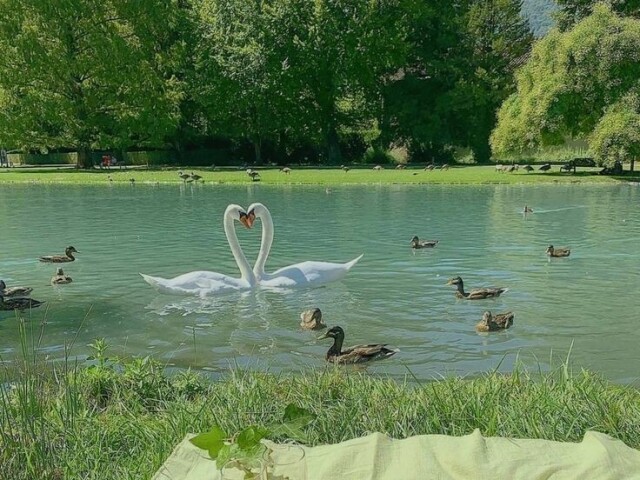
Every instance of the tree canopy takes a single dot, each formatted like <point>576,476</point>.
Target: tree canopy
<point>577,84</point>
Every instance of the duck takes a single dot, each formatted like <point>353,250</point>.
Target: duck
<point>14,291</point>
<point>67,257</point>
<point>545,167</point>
<point>312,319</point>
<point>491,323</point>
<point>356,353</point>
<point>476,293</point>
<point>527,209</point>
<point>21,303</point>
<point>528,168</point>
<point>558,252</point>
<point>417,243</point>
<point>60,278</point>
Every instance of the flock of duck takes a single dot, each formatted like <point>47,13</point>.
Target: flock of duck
<point>19,297</point>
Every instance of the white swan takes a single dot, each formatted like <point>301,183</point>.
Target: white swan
<point>300,274</point>
<point>206,283</point>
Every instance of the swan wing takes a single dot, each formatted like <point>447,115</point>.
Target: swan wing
<point>196,283</point>
<point>307,273</point>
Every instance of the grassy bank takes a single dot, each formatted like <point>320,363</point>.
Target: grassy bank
<point>459,175</point>
<point>120,420</point>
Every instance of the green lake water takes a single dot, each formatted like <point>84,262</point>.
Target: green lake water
<point>394,295</point>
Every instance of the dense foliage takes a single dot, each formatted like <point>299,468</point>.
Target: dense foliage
<point>582,83</point>
<point>287,78</point>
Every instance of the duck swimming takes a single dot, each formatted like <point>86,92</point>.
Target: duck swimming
<point>476,293</point>
<point>14,291</point>
<point>558,252</point>
<point>60,278</point>
<point>67,257</point>
<point>417,243</point>
<point>312,319</point>
<point>356,353</point>
<point>21,303</point>
<point>490,323</point>
<point>527,209</point>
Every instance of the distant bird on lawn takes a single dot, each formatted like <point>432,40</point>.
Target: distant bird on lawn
<point>345,168</point>
<point>377,168</point>
<point>431,166</point>
<point>60,278</point>
<point>286,170</point>
<point>255,176</point>
<point>401,166</point>
<point>356,353</point>
<point>195,177</point>
<point>528,168</point>
<point>545,167</point>
<point>184,176</point>
<point>491,323</point>
<point>558,252</point>
<point>476,293</point>
<point>67,257</point>
<point>14,291</point>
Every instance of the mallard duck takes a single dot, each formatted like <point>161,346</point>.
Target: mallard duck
<point>417,243</point>
<point>60,278</point>
<point>490,323</point>
<point>14,291</point>
<point>476,293</point>
<point>312,319</point>
<point>67,257</point>
<point>558,252</point>
<point>356,353</point>
<point>21,303</point>
<point>527,209</point>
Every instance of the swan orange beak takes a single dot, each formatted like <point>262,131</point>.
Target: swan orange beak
<point>251,218</point>
<point>244,220</point>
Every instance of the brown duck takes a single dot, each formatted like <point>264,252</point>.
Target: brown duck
<point>312,319</point>
<point>14,291</point>
<point>417,243</point>
<point>60,278</point>
<point>356,353</point>
<point>21,303</point>
<point>476,293</point>
<point>490,323</point>
<point>558,252</point>
<point>67,257</point>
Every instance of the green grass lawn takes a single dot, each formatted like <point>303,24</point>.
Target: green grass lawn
<point>458,175</point>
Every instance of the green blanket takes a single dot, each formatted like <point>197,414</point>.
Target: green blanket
<point>423,457</point>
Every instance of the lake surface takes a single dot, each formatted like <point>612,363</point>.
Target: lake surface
<point>394,295</point>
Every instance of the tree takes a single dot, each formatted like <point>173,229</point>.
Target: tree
<point>572,11</point>
<point>616,137</point>
<point>76,74</point>
<point>571,79</point>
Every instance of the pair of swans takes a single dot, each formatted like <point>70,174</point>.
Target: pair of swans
<point>208,283</point>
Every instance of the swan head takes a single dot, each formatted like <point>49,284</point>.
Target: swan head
<point>256,210</point>
<point>238,213</point>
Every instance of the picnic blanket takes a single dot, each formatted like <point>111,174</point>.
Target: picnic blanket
<point>378,457</point>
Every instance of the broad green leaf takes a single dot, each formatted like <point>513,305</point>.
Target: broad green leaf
<point>212,441</point>
<point>294,413</point>
<point>251,436</point>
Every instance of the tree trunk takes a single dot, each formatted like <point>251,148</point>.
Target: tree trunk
<point>257,147</point>
<point>482,151</point>
<point>334,157</point>
<point>633,160</point>
<point>84,158</point>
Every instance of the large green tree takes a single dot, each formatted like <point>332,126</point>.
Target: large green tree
<point>573,84</point>
<point>83,74</point>
<point>572,11</point>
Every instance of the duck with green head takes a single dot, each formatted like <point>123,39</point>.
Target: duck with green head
<point>417,243</point>
<point>356,353</point>
<point>476,293</point>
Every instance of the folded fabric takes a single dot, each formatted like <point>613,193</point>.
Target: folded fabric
<point>425,457</point>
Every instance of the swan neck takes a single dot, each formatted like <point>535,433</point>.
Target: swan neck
<point>238,254</point>
<point>266,242</point>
